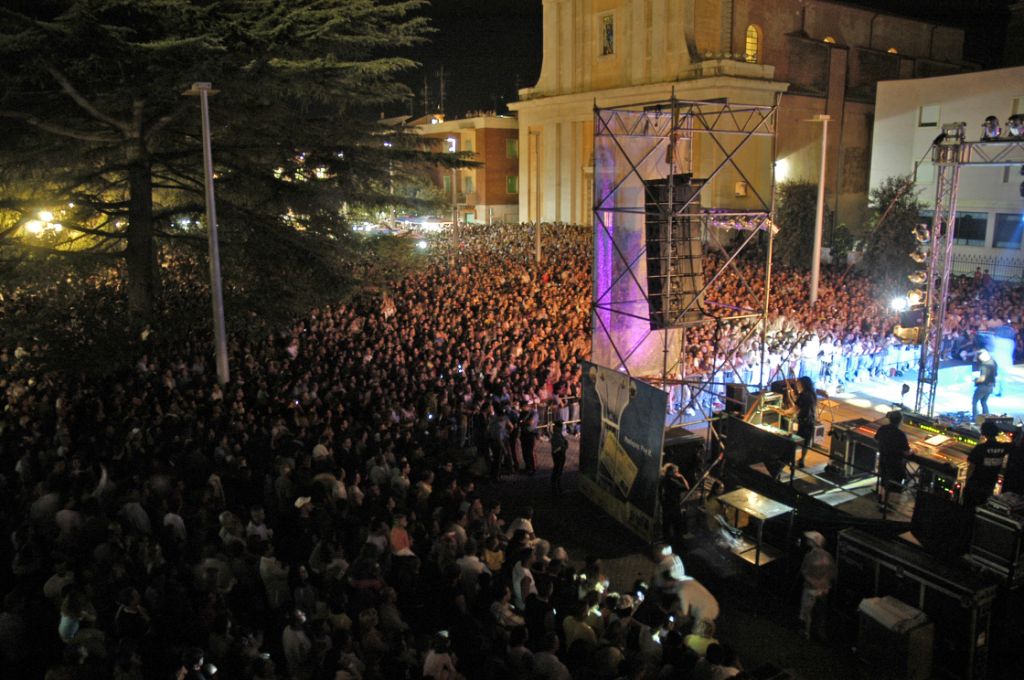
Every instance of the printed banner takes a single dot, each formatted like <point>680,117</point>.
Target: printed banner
<point>621,439</point>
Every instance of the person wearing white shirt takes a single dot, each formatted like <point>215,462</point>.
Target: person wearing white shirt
<point>523,583</point>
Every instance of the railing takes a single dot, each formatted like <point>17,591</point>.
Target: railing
<point>999,268</point>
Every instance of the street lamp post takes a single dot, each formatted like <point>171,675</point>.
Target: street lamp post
<point>203,90</point>
<point>819,216</point>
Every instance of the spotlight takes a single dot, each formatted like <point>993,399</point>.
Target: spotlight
<point>918,277</point>
<point>919,257</point>
<point>1015,126</point>
<point>922,233</point>
<point>422,245</point>
<point>899,304</point>
<point>990,129</point>
<point>952,133</point>
<point>916,297</point>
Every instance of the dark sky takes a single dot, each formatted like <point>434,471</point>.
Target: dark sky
<point>488,48</point>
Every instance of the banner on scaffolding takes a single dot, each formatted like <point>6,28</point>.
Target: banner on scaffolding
<point>621,439</point>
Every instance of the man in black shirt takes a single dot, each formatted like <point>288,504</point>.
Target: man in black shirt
<point>893,448</point>
<point>985,372</point>
<point>806,414</point>
<point>985,461</point>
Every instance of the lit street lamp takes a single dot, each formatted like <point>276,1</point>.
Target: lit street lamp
<point>203,90</point>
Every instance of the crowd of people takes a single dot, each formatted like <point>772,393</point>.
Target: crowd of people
<point>324,514</point>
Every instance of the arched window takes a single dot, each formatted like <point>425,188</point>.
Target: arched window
<point>830,40</point>
<point>752,49</point>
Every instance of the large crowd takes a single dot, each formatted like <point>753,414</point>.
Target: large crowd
<point>317,518</point>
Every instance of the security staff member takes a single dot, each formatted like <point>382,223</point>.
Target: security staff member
<point>984,463</point>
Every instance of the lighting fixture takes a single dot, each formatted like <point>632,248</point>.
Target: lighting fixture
<point>990,130</point>
<point>919,256</point>
<point>918,277</point>
<point>916,297</point>
<point>1015,126</point>
<point>899,304</point>
<point>922,233</point>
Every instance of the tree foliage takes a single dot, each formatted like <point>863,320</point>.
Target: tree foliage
<point>795,206</point>
<point>895,213</point>
<point>100,135</point>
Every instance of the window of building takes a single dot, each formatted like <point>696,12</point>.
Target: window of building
<point>970,228</point>
<point>512,148</point>
<point>928,115</point>
<point>830,40</point>
<point>893,50</point>
<point>446,181</point>
<point>512,184</point>
<point>607,35</point>
<point>468,144</point>
<point>452,144</point>
<point>469,217</point>
<point>469,184</point>
<point>1009,231</point>
<point>752,49</point>
<point>1018,106</point>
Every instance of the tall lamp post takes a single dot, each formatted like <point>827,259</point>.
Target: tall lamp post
<point>819,216</point>
<point>203,91</point>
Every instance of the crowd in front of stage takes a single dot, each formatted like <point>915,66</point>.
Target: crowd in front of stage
<point>314,519</point>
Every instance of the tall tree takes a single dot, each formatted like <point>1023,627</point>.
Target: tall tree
<point>99,134</point>
<point>895,213</point>
<point>795,207</point>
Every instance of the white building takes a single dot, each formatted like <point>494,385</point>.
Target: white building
<point>990,207</point>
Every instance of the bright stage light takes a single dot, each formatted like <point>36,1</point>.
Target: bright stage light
<point>899,304</point>
<point>422,245</point>
<point>916,297</point>
<point>34,227</point>
<point>46,216</point>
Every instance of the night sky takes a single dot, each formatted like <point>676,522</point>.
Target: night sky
<point>488,48</point>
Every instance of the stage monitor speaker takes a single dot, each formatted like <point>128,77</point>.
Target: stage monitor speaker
<point>685,449</point>
<point>675,264</point>
<point>737,398</point>
<point>941,526</point>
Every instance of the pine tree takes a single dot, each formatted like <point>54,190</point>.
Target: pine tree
<point>895,213</point>
<point>98,132</point>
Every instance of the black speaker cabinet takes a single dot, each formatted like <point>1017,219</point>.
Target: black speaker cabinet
<point>996,544</point>
<point>957,601</point>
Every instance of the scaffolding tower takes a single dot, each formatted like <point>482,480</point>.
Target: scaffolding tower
<point>683,192</point>
<point>950,153</point>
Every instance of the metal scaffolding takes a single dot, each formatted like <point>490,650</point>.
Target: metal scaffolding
<point>645,170</point>
<point>949,154</point>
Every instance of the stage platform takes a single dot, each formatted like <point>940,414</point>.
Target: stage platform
<point>952,397</point>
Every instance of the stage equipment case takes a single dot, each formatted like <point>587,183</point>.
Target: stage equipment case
<point>895,639</point>
<point>958,602</point>
<point>996,543</point>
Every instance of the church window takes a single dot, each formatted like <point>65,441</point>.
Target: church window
<point>752,50</point>
<point>607,35</point>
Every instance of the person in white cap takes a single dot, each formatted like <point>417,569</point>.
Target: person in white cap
<point>985,372</point>
<point>818,570</point>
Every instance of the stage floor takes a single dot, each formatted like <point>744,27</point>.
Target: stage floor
<point>952,398</point>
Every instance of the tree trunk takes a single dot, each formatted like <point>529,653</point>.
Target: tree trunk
<point>140,253</point>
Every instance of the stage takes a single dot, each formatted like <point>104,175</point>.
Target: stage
<point>952,397</point>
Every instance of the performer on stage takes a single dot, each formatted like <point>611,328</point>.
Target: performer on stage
<point>984,463</point>
<point>893,448</point>
<point>985,372</point>
<point>806,414</point>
